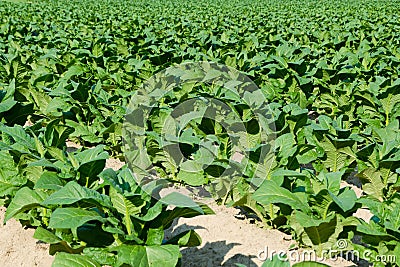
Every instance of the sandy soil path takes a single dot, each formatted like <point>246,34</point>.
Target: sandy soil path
<point>226,240</point>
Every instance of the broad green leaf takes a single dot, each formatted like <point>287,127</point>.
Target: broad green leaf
<point>46,236</point>
<point>91,162</point>
<point>94,235</point>
<point>152,213</point>
<point>188,238</point>
<point>63,246</point>
<point>345,200</point>
<point>147,256</point>
<point>56,107</point>
<point>7,100</point>
<point>191,178</point>
<point>90,155</point>
<point>318,233</point>
<point>22,140</point>
<point>127,206</point>
<point>73,71</point>
<point>321,203</point>
<point>56,134</point>
<point>101,255</point>
<point>372,228</point>
<point>63,259</point>
<point>87,133</point>
<point>7,189</point>
<point>269,192</point>
<point>331,180</point>
<point>24,199</point>
<point>181,201</point>
<point>49,180</point>
<point>276,261</point>
<point>110,178</point>
<point>392,218</point>
<point>40,99</point>
<point>73,192</point>
<point>169,216</point>
<point>372,182</point>
<point>388,104</point>
<point>10,178</point>
<point>71,218</point>
<point>155,235</point>
<point>7,104</point>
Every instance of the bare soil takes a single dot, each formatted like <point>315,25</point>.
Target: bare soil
<point>226,240</point>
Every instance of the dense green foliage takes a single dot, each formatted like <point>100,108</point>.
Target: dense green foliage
<point>329,71</point>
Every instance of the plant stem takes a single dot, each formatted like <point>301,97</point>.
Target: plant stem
<point>271,211</point>
<point>387,119</point>
<point>128,225</point>
<point>226,198</point>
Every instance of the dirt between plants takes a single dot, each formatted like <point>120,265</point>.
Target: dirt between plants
<point>19,248</point>
<point>226,240</point>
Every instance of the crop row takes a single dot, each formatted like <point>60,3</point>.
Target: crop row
<point>328,74</point>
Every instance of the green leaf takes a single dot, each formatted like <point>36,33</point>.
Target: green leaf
<point>74,70</point>
<point>49,180</point>
<point>331,180</point>
<point>7,189</point>
<point>56,134</point>
<point>180,200</point>
<point>94,235</point>
<point>321,202</point>
<point>187,238</point>
<point>7,102</point>
<point>345,200</point>
<point>85,132</point>
<point>10,178</point>
<point>392,218</point>
<point>63,246</point>
<point>73,192</point>
<point>40,99</point>
<point>317,233</point>
<point>269,192</point>
<point>110,178</point>
<point>63,259</point>
<point>372,182</point>
<point>57,154</point>
<point>56,107</point>
<point>18,114</point>
<point>24,199</point>
<point>152,213</point>
<point>101,255</point>
<point>93,154</point>
<point>22,140</point>
<point>46,236</point>
<point>147,256</point>
<point>155,236</point>
<point>276,261</point>
<point>92,161</point>
<point>372,228</point>
<point>191,178</point>
<point>71,218</point>
<point>127,206</point>
<point>388,105</point>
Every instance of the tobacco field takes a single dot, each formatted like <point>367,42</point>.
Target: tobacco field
<point>327,72</point>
